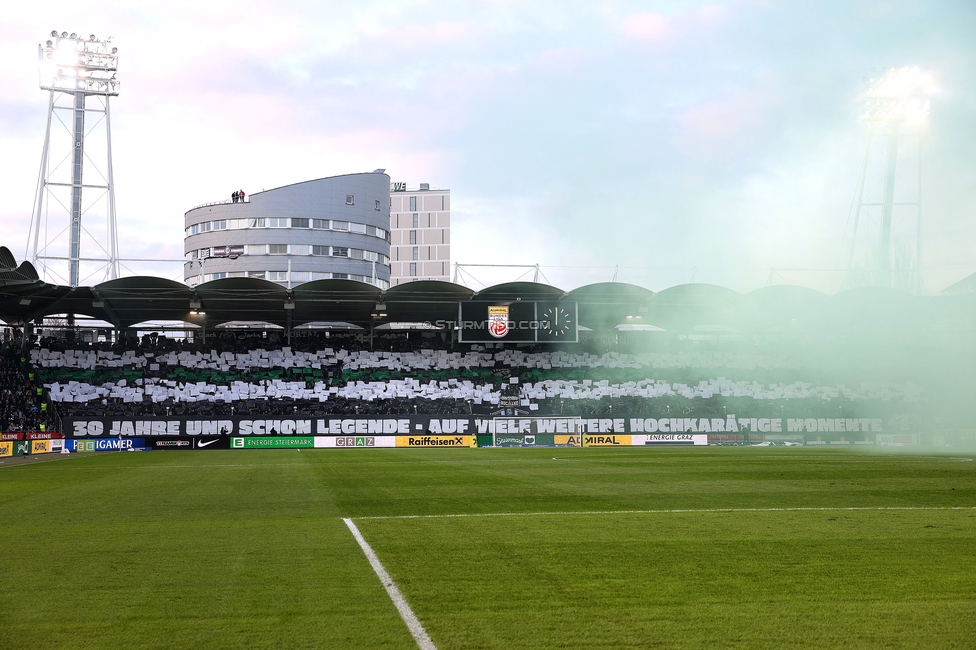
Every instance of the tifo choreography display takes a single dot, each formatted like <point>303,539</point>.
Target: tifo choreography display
<point>521,364</point>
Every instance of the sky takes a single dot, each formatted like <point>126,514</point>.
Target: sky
<point>656,142</point>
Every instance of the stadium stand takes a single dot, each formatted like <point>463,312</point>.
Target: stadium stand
<point>163,377</point>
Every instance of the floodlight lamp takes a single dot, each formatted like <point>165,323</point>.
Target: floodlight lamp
<point>54,33</point>
<point>64,34</point>
<point>91,37</point>
<point>74,35</point>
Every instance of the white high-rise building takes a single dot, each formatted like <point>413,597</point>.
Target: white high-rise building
<point>420,234</point>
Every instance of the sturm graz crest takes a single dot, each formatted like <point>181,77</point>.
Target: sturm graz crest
<point>498,321</point>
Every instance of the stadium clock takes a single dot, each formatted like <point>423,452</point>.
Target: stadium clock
<point>561,323</point>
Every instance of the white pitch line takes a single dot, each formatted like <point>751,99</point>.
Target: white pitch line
<point>664,512</point>
<point>413,623</point>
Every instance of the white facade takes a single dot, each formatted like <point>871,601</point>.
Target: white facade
<point>329,228</point>
<point>420,234</point>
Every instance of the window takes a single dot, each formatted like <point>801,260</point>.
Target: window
<point>318,275</point>
<point>300,249</point>
<point>256,223</point>
<point>203,253</point>
<point>235,274</point>
<point>350,199</point>
<point>371,256</point>
<point>320,250</point>
<point>416,221</point>
<point>257,249</point>
<point>320,224</point>
<point>340,225</point>
<point>416,253</point>
<point>256,274</point>
<point>413,237</point>
<point>192,255</point>
<point>278,249</point>
<point>299,276</point>
<point>356,253</point>
<point>220,225</point>
<point>299,223</point>
<point>413,203</point>
<point>278,222</point>
<point>340,276</point>
<point>357,227</point>
<point>278,276</point>
<point>377,206</point>
<point>340,251</point>
<point>236,224</point>
<point>217,276</point>
<point>205,226</point>
<point>413,266</point>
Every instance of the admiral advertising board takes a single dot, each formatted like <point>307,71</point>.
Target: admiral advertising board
<point>516,321</point>
<point>6,448</point>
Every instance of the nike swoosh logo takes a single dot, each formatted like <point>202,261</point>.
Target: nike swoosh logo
<point>204,444</point>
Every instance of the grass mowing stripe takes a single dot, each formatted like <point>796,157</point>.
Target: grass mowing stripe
<point>662,512</point>
<point>413,623</point>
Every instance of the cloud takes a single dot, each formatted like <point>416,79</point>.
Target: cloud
<point>646,26</point>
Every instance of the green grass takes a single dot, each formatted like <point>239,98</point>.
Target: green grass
<point>248,549</point>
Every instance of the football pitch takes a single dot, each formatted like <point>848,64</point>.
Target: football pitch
<point>490,548</point>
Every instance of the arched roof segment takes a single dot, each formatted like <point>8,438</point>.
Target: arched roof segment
<point>685,306</point>
<point>7,260</point>
<point>231,299</point>
<point>604,305</point>
<point>346,301</point>
<point>424,301</point>
<point>136,299</point>
<point>780,307</point>
<point>520,291</point>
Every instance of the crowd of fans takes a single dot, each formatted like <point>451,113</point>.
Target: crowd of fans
<point>249,373</point>
<point>23,407</point>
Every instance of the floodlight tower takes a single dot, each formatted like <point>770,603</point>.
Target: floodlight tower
<point>894,105</point>
<point>72,69</point>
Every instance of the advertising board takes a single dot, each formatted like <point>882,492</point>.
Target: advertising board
<point>436,441</point>
<point>6,448</point>
<point>898,440</point>
<point>275,442</point>
<point>106,444</point>
<point>40,446</point>
<point>534,440</point>
<point>606,441</point>
<point>649,439</point>
<point>345,442</point>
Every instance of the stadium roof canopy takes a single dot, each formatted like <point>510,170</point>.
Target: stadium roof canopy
<point>602,306</point>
